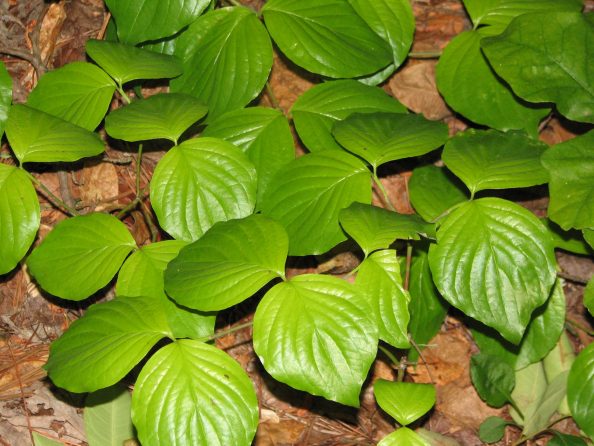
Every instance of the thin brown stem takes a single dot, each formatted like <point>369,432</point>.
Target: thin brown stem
<point>572,278</point>
<point>425,54</point>
<point>226,332</point>
<point>57,202</point>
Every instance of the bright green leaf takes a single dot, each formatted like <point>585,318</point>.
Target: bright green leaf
<point>589,297</point>
<point>378,77</point>
<point>403,437</point>
<point>494,261</point>
<point>560,439</point>
<point>35,136</point>
<point>493,380</point>
<point>81,255</point>
<point>531,384</point>
<point>5,96</point>
<point>558,48</point>
<point>107,417</point>
<point>589,236</point>
<point>164,116</point>
<point>537,418</point>
<point>316,111</point>
<point>40,440</point>
<point>492,429</point>
<point>379,278</point>
<point>100,348</point>
<point>580,388</point>
<point>227,56</point>
<point>315,334</point>
<point>190,393</point>
<point>231,261</point>
<point>306,197</point>
<point>126,63</point>
<point>570,241</point>
<point>405,402</point>
<point>79,93</point>
<point>382,137</point>
<point>199,183</point>
<point>19,216</point>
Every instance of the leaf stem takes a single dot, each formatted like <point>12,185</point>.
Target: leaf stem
<point>572,278</point>
<point>122,93</point>
<point>272,97</point>
<point>226,332</point>
<point>138,169</point>
<point>57,202</point>
<point>425,54</point>
<point>382,189</point>
<point>513,404</point>
<point>409,250</point>
<point>389,355</point>
<point>579,326</point>
<point>447,212</point>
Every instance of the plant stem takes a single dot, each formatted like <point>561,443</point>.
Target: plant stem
<point>382,190</point>
<point>123,94</point>
<point>272,97</point>
<point>57,202</point>
<point>579,326</point>
<point>513,404</point>
<point>572,278</point>
<point>138,169</point>
<point>390,355</point>
<point>224,333</point>
<point>425,54</point>
<point>409,249</point>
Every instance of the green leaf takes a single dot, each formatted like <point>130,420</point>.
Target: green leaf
<point>378,77</point>
<point>559,49</point>
<point>315,334</point>
<point>40,440</point>
<point>35,136</point>
<point>475,264</point>
<point>375,228</point>
<point>560,439</point>
<point>79,93</point>
<point>100,348</point>
<point>492,429</point>
<point>382,137</point>
<point>193,393</point>
<point>405,402</point>
<point>589,236</point>
<point>81,255</point>
<point>199,183</point>
<point>436,439</point>
<point>491,343</point>
<point>162,116</point>
<point>307,194</point>
<point>125,63</point>
<point>403,437</point>
<point>571,166</point>
<point>580,388</point>
<point>326,37</point>
<point>433,190</point>
<point>231,261</point>
<point>19,216</point>
<point>570,241</point>
<point>5,96</point>
<point>142,20</point>
<point>392,20</point>
<point>589,296</point>
<point>537,418</point>
<point>142,275</point>
<point>107,417</point>
<point>493,380</point>
<point>531,384</point>
<point>463,78</point>
<point>495,160</point>
<point>316,110</point>
<point>379,278</point>
<point>227,56</point>
<point>263,134</point>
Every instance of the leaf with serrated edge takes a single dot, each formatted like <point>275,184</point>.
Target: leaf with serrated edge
<point>107,416</point>
<point>306,197</point>
<point>382,137</point>
<point>403,437</point>
<point>580,388</point>
<point>494,261</point>
<point>405,402</point>
<point>81,255</point>
<point>213,403</point>
<point>5,96</point>
<point>315,334</point>
<point>19,216</point>
<point>36,136</point>
<point>199,183</point>
<point>227,57</point>
<point>163,115</point>
<point>316,110</point>
<point>79,93</point>
<point>493,379</point>
<point>125,63</point>
<point>559,48</point>
<point>100,348</point>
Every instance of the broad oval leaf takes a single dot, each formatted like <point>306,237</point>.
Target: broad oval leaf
<point>376,228</point>
<point>469,86</point>
<point>405,402</point>
<point>81,255</point>
<point>193,393</point>
<point>36,136</point>
<point>382,137</point>
<point>199,183</point>
<point>326,37</point>
<point>107,417</point>
<point>227,56</point>
<point>232,261</point>
<point>379,278</point>
<point>100,348</point>
<point>492,429</point>
<point>315,334</point>
<point>403,437</point>
<point>162,116</point>
<point>141,20</point>
<point>493,379</point>
<point>571,187</point>
<point>263,134</point>
<point>495,160</point>
<point>559,49</point>
<point>125,63</point>
<point>317,110</point>
<point>306,197</point>
<point>142,274</point>
<point>79,93</point>
<point>5,96</point>
<point>580,388</point>
<point>495,261</point>
<point>19,216</point>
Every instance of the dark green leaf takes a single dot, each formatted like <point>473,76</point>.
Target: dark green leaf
<point>405,402</point>
<point>560,439</point>
<point>580,388</point>
<point>493,380</point>
<point>403,437</point>
<point>5,96</point>
<point>81,255</point>
<point>316,110</point>
<point>492,429</point>
<point>589,297</point>
<point>570,241</point>
<point>491,343</point>
<point>107,417</point>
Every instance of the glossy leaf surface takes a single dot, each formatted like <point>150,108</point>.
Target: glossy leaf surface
<point>571,241</point>
<point>405,402</point>
<point>580,388</point>
<point>5,96</point>
<point>107,416</point>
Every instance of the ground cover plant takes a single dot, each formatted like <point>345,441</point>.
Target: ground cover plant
<point>234,205</point>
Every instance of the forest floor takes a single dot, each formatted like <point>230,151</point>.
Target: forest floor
<point>35,34</point>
